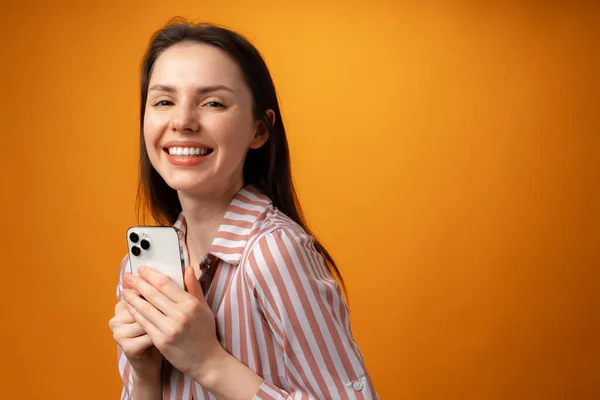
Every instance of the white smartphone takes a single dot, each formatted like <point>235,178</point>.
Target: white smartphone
<point>156,247</point>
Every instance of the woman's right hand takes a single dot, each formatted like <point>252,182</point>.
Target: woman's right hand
<point>144,358</point>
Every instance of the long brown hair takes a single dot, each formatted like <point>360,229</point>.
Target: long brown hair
<point>267,168</point>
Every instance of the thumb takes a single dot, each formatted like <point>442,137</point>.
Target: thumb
<point>192,285</point>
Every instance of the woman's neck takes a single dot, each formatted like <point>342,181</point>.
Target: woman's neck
<point>203,217</point>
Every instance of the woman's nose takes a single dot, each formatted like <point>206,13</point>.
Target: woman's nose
<point>185,119</point>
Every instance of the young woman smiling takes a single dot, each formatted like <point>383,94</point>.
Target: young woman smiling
<point>262,316</point>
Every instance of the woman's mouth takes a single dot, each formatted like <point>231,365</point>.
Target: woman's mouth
<point>188,151</point>
<point>187,156</point>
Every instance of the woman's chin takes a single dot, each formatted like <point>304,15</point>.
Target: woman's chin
<point>186,185</point>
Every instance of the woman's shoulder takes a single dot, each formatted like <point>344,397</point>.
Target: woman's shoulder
<point>275,224</point>
<point>279,236</point>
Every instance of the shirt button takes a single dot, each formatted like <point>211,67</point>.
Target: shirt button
<point>357,385</point>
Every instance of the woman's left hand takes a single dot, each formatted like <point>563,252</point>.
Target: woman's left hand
<point>180,324</point>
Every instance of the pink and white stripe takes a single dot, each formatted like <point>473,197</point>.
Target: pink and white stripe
<point>278,310</point>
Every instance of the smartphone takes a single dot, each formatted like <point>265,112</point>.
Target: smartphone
<point>156,247</point>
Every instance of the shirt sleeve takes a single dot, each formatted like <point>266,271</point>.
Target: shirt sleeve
<point>124,366</point>
<point>308,318</point>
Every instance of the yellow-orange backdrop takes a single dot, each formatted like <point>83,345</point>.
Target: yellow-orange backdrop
<point>448,156</point>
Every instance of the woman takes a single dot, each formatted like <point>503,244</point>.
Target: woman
<point>262,316</point>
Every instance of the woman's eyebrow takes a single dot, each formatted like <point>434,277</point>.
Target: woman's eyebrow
<point>203,90</point>
<point>162,88</point>
<point>213,88</point>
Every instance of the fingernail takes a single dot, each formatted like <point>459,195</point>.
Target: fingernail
<point>141,269</point>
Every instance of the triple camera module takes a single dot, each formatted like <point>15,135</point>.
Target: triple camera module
<point>144,244</point>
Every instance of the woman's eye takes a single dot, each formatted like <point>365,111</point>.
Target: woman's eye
<point>214,104</point>
<point>163,103</point>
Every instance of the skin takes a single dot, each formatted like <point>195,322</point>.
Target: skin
<point>196,93</point>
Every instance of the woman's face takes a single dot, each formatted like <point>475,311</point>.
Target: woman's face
<point>198,123</point>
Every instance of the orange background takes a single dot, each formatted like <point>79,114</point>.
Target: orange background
<point>447,155</point>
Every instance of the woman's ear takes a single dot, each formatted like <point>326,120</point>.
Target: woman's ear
<point>261,135</point>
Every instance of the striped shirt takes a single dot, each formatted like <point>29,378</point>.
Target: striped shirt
<point>277,307</point>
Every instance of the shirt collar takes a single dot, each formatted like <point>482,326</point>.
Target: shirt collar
<point>236,226</point>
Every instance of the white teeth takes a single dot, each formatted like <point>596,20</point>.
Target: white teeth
<point>187,151</point>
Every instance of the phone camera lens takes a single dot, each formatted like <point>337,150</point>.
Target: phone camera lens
<point>134,237</point>
<point>145,244</point>
<point>136,251</point>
